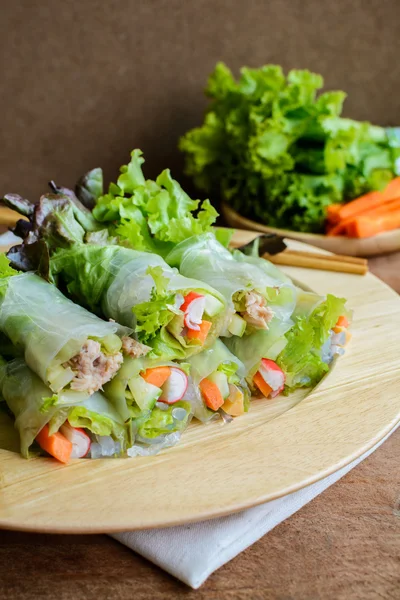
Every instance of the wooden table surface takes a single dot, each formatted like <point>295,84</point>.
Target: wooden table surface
<point>344,545</point>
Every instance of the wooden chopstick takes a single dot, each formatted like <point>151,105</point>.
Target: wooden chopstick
<point>341,257</point>
<point>324,262</point>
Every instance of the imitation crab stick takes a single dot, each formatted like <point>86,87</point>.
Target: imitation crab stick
<point>79,439</point>
<point>211,394</point>
<point>193,307</point>
<point>56,444</point>
<point>270,379</point>
<point>202,333</point>
<point>157,375</point>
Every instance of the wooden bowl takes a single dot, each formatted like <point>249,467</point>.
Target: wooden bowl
<point>383,243</point>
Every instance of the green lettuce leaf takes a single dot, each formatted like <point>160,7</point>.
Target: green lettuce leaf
<point>5,269</point>
<point>151,215</point>
<point>90,187</point>
<point>162,422</point>
<point>97,423</point>
<point>300,359</point>
<point>155,314</point>
<point>230,369</point>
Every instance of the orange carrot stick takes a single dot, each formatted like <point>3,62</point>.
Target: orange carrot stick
<point>202,333</point>
<point>332,212</point>
<point>156,376</point>
<point>346,225</point>
<point>211,394</point>
<point>370,200</point>
<point>365,226</point>
<point>264,388</point>
<point>56,444</point>
<point>342,322</point>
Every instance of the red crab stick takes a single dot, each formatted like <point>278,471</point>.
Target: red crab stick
<point>270,379</point>
<point>193,307</point>
<point>174,387</point>
<point>79,439</point>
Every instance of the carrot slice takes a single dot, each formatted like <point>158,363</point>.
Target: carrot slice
<point>211,394</point>
<point>370,200</point>
<point>56,444</point>
<point>264,388</point>
<point>342,322</point>
<point>202,333</point>
<point>156,376</point>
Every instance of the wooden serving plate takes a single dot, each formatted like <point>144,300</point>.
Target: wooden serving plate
<point>373,246</point>
<point>218,469</point>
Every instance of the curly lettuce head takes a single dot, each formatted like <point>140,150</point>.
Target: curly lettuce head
<point>279,151</point>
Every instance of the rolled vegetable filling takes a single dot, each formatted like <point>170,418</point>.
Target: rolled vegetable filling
<point>61,426</point>
<point>67,346</point>
<point>217,383</point>
<point>295,353</point>
<point>151,397</point>
<point>174,315</point>
<point>254,289</point>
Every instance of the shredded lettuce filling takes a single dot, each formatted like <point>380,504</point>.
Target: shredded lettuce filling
<point>161,422</point>
<point>301,358</point>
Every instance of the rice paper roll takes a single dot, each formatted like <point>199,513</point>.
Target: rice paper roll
<point>151,396</point>
<point>34,405</point>
<point>254,288</point>
<point>140,290</point>
<point>217,381</point>
<point>65,345</point>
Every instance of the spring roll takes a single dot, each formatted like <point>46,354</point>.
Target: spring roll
<point>151,396</point>
<point>174,315</point>
<point>39,412</point>
<point>254,289</point>
<point>64,344</point>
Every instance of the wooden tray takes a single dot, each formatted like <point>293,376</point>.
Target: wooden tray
<point>373,246</point>
<point>220,469</point>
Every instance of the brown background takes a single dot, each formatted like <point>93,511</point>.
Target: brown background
<point>83,82</point>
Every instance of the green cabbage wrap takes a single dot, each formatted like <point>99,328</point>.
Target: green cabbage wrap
<point>234,275</point>
<point>137,289</point>
<point>51,332</point>
<point>34,405</point>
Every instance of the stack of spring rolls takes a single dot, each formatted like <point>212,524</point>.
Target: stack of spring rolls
<point>123,315</point>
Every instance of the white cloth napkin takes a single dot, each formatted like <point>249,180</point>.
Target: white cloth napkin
<point>192,552</point>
